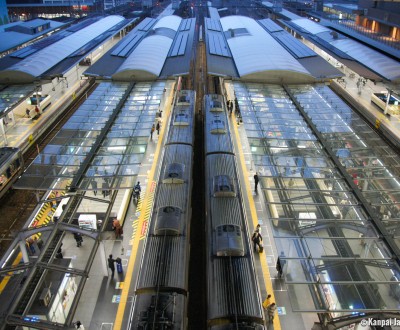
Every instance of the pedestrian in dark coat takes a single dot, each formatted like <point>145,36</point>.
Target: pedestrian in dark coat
<point>111,264</point>
<point>280,263</point>
<point>158,128</point>
<point>94,186</point>
<point>78,239</point>
<point>257,241</point>
<point>256,179</point>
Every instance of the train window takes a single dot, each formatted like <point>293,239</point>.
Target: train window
<point>223,186</point>
<point>174,173</point>
<point>169,221</point>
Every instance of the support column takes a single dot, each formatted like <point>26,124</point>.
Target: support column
<point>387,101</point>
<point>25,255</point>
<point>3,131</point>
<point>103,257</point>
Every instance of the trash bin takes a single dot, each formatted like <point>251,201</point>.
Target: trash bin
<point>119,265</point>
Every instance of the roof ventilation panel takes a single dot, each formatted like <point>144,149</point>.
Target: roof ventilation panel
<point>174,173</point>
<point>169,221</point>
<point>223,186</point>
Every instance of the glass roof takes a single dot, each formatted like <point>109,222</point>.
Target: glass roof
<point>335,260</point>
<point>117,156</point>
<point>11,95</point>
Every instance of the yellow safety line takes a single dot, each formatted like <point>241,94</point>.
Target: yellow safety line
<point>5,280</point>
<point>253,212</point>
<point>38,218</point>
<point>146,206</point>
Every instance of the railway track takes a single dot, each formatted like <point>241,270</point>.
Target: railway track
<point>197,311</point>
<point>17,205</point>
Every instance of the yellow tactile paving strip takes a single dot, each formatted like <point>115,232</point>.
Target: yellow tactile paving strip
<point>253,213</point>
<point>141,230</point>
<point>43,217</point>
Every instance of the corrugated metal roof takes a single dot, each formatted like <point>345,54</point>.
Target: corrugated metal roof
<point>351,49</point>
<point>11,39</point>
<point>254,57</point>
<point>171,22</point>
<point>36,64</point>
<point>377,62</point>
<point>147,60</point>
<point>310,26</point>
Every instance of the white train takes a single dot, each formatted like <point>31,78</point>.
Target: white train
<point>161,294</point>
<point>233,294</point>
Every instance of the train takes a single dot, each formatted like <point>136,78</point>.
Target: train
<point>11,167</point>
<point>233,295</point>
<point>161,292</point>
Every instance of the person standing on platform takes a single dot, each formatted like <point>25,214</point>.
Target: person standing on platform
<point>271,312</point>
<point>280,263</point>
<point>111,264</point>
<point>256,180</point>
<point>152,131</point>
<point>257,241</point>
<point>28,112</point>
<point>78,238</point>
<point>267,302</point>
<point>117,228</point>
<point>94,186</point>
<point>158,128</point>
<point>30,242</point>
<point>79,325</point>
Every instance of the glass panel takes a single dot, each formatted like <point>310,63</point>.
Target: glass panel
<point>120,152</point>
<point>332,256</point>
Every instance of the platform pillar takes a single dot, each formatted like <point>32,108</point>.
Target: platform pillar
<point>24,252</point>
<point>103,257</point>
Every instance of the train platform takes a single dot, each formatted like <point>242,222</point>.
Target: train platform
<point>21,131</point>
<point>277,238</point>
<point>106,299</point>
<point>358,91</point>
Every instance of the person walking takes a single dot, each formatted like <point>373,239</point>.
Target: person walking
<point>258,228</point>
<point>271,312</point>
<point>79,325</point>
<point>30,242</point>
<point>28,112</point>
<point>78,238</point>
<point>256,180</point>
<point>257,241</point>
<point>158,128</point>
<point>117,228</point>
<point>152,131</point>
<point>280,263</point>
<point>111,262</point>
<point>94,186</point>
